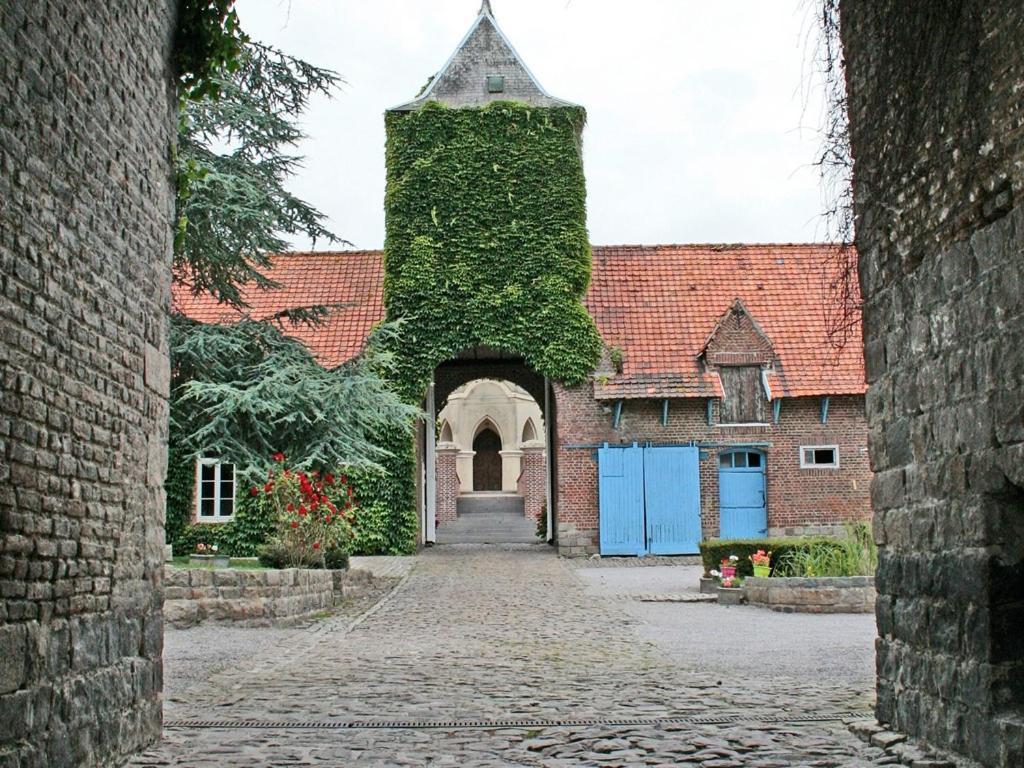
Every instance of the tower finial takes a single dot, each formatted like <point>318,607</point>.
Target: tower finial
<point>485,7</point>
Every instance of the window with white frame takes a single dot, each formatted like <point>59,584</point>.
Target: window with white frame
<point>819,456</point>
<point>215,491</point>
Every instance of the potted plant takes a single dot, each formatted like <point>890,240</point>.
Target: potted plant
<point>729,566</point>
<point>206,555</point>
<point>762,563</point>
<point>729,591</point>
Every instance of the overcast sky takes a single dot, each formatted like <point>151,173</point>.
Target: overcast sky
<point>702,116</point>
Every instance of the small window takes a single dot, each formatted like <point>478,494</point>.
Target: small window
<point>819,456</point>
<point>740,460</point>
<point>495,83</point>
<point>215,497</point>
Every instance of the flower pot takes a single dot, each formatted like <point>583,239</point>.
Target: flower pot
<point>200,560</point>
<point>728,571</point>
<point>221,561</point>
<point>708,585</point>
<point>762,571</point>
<point>730,596</point>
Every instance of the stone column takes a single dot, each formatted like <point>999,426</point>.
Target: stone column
<point>511,465</point>
<point>464,469</point>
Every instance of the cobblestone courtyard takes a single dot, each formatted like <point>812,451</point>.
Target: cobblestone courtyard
<point>474,634</point>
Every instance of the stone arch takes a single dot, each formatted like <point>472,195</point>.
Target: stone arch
<point>529,431</point>
<point>487,460</point>
<point>485,423</point>
<point>446,432</point>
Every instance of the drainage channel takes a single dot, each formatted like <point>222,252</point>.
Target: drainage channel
<point>753,718</point>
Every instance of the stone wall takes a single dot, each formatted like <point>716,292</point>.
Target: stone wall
<point>250,598</point>
<point>86,207</point>
<point>828,594</point>
<point>800,501</point>
<point>937,128</point>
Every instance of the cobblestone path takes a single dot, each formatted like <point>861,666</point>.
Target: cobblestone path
<point>485,635</point>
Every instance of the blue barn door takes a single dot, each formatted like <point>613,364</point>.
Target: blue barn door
<point>741,488</point>
<point>672,495</point>
<point>621,500</point>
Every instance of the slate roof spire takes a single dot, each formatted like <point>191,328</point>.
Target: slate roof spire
<point>484,68</point>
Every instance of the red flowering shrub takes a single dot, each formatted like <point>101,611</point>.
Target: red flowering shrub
<point>314,514</point>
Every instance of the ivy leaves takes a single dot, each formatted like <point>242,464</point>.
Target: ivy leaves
<point>486,237</point>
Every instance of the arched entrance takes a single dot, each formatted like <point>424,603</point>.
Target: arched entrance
<point>741,492</point>
<point>487,460</point>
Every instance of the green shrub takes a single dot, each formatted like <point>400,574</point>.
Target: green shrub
<point>853,554</point>
<point>275,554</point>
<point>713,551</point>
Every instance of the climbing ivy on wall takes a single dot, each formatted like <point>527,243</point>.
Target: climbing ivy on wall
<point>486,241</point>
<point>486,245</point>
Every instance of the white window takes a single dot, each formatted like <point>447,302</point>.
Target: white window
<point>215,491</point>
<point>819,456</point>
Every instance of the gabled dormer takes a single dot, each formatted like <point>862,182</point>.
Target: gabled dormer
<point>484,68</point>
<point>737,339</point>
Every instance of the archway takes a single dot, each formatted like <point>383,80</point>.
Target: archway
<point>487,459</point>
<point>490,448</point>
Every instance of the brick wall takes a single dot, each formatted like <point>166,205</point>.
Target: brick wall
<point>447,484</point>
<point>799,500</point>
<point>937,129</point>
<point>86,203</point>
<point>532,485</point>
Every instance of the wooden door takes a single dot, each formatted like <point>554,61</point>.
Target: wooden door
<point>487,461</point>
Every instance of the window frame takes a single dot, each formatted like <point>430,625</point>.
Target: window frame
<point>835,452</point>
<point>762,394</point>
<point>217,517</point>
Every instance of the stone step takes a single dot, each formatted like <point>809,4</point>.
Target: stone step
<point>489,503</point>
<point>486,526</point>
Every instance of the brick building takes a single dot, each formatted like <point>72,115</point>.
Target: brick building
<point>717,366</point>
<point>724,348</point>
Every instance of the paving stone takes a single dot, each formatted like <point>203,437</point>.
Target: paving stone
<point>492,634</point>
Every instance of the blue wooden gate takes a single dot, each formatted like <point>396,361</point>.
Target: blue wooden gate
<point>741,489</point>
<point>672,500</point>
<point>649,500</point>
<point>621,493</point>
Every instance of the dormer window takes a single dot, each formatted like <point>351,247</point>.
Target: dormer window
<point>744,400</point>
<point>495,83</point>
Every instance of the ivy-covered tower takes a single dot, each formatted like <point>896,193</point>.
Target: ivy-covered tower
<point>486,240</point>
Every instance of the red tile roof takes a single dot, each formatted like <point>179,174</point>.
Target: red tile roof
<point>354,279</point>
<point>658,304</point>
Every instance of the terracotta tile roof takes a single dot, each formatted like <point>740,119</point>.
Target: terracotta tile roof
<point>354,279</point>
<point>658,303</point>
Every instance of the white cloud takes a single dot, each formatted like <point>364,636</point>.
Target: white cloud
<point>698,113</point>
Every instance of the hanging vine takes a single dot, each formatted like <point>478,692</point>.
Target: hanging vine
<point>486,246</point>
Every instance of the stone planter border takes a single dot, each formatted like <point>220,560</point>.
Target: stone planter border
<point>254,598</point>
<point>825,594</point>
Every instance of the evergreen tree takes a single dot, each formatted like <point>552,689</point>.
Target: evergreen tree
<point>244,391</point>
